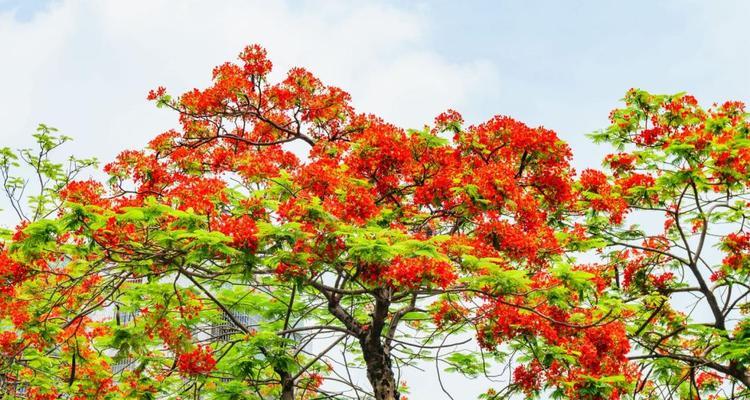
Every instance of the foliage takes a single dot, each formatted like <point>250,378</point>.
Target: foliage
<point>683,170</point>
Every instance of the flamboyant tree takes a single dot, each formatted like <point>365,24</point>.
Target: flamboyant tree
<point>672,211</point>
<point>217,263</point>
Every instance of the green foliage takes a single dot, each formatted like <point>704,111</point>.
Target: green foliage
<point>32,180</point>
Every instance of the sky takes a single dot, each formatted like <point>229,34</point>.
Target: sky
<point>85,67</point>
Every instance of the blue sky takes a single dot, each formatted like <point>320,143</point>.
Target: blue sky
<point>24,10</point>
<point>564,64</point>
<point>86,66</point>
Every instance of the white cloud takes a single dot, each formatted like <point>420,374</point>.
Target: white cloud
<point>418,86</point>
<point>85,67</point>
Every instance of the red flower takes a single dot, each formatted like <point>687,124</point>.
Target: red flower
<point>84,192</point>
<point>242,230</point>
<point>156,94</point>
<point>197,362</point>
<point>419,272</point>
<point>621,162</point>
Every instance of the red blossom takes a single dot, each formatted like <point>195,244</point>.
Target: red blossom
<point>156,94</point>
<point>242,230</point>
<point>197,362</point>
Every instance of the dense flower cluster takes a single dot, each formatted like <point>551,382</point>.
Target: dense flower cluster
<point>603,197</point>
<point>410,273</point>
<point>737,246</point>
<point>197,362</point>
<point>242,230</point>
<point>601,350</point>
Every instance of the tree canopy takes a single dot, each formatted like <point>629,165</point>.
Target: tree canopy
<point>223,262</point>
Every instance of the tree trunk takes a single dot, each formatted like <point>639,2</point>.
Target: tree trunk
<point>287,386</point>
<point>379,371</point>
<point>377,356</point>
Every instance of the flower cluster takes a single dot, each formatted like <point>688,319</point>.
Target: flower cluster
<point>197,362</point>
<point>242,230</point>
